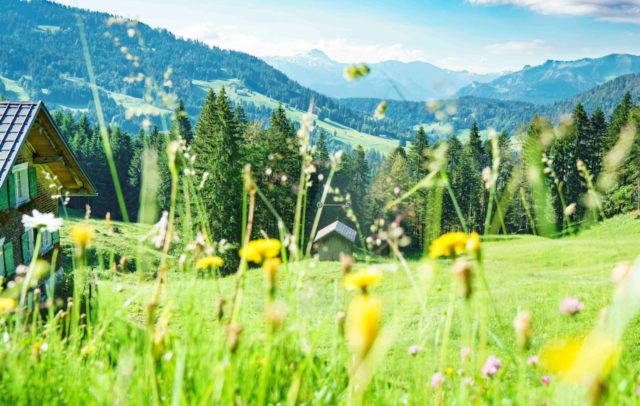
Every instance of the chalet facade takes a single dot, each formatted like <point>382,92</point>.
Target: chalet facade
<point>334,241</point>
<point>36,167</point>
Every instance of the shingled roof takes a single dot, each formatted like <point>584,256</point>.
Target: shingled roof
<point>337,227</point>
<point>20,121</point>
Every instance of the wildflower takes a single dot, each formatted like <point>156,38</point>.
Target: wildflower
<point>363,324</point>
<point>414,349</point>
<point>449,244</point>
<point>363,279</point>
<point>545,380</point>
<point>437,380</point>
<point>41,221</point>
<point>523,328</point>
<point>381,109</point>
<point>533,360</point>
<point>449,371</point>
<point>353,72</point>
<point>7,304</point>
<point>258,250</point>
<point>159,230</point>
<point>209,262</point>
<point>465,354</point>
<point>82,235</point>
<point>570,210</point>
<point>491,367</point>
<point>571,305</point>
<point>462,273</point>
<point>586,361</point>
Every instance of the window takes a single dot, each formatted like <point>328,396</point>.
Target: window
<point>28,243</point>
<point>21,176</point>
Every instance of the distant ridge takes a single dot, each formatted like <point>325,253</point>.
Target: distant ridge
<point>393,80</point>
<point>555,80</point>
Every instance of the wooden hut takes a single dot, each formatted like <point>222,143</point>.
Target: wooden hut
<point>335,240</point>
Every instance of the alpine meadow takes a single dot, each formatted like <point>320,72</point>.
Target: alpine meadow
<point>270,202</point>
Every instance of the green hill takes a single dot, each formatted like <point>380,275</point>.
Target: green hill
<point>135,65</point>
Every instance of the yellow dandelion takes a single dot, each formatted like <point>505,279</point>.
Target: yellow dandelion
<point>270,267</point>
<point>449,371</point>
<point>7,304</point>
<point>209,262</point>
<point>363,323</point>
<point>258,250</point>
<point>82,235</point>
<point>448,244</point>
<point>582,360</point>
<point>362,279</point>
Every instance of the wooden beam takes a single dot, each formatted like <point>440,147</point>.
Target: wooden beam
<point>48,159</point>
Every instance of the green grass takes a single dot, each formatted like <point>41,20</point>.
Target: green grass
<point>14,90</point>
<point>523,272</point>
<point>238,92</point>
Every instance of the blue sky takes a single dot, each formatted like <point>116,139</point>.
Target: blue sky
<point>477,35</point>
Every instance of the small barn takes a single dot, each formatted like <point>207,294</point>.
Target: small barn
<point>335,240</point>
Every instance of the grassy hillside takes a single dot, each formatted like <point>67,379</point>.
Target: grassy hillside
<point>523,273</point>
<point>240,93</point>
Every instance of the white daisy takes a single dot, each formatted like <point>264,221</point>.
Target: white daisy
<point>41,221</point>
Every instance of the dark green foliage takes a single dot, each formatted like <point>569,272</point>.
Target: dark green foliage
<point>182,124</point>
<point>217,144</point>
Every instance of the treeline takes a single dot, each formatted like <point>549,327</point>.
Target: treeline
<point>576,179</point>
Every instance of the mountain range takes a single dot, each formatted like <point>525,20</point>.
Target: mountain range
<point>414,81</point>
<point>555,80</point>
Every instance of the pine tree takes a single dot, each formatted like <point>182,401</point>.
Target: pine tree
<point>418,155</point>
<point>476,149</point>
<point>359,185</point>
<point>417,165</point>
<point>181,125</point>
<point>595,145</point>
<point>619,119</point>
<point>217,146</point>
<point>281,144</point>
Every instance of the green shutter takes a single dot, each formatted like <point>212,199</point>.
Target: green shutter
<point>9,264</point>
<point>33,181</point>
<point>26,257</point>
<point>55,237</point>
<point>11,185</point>
<point>4,197</point>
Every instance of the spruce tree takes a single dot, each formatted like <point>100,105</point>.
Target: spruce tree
<point>217,146</point>
<point>281,145</point>
<point>181,125</point>
<point>418,155</point>
<point>476,149</point>
<point>596,143</point>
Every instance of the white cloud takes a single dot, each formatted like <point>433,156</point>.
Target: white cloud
<point>625,11</point>
<point>522,47</point>
<point>339,49</point>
